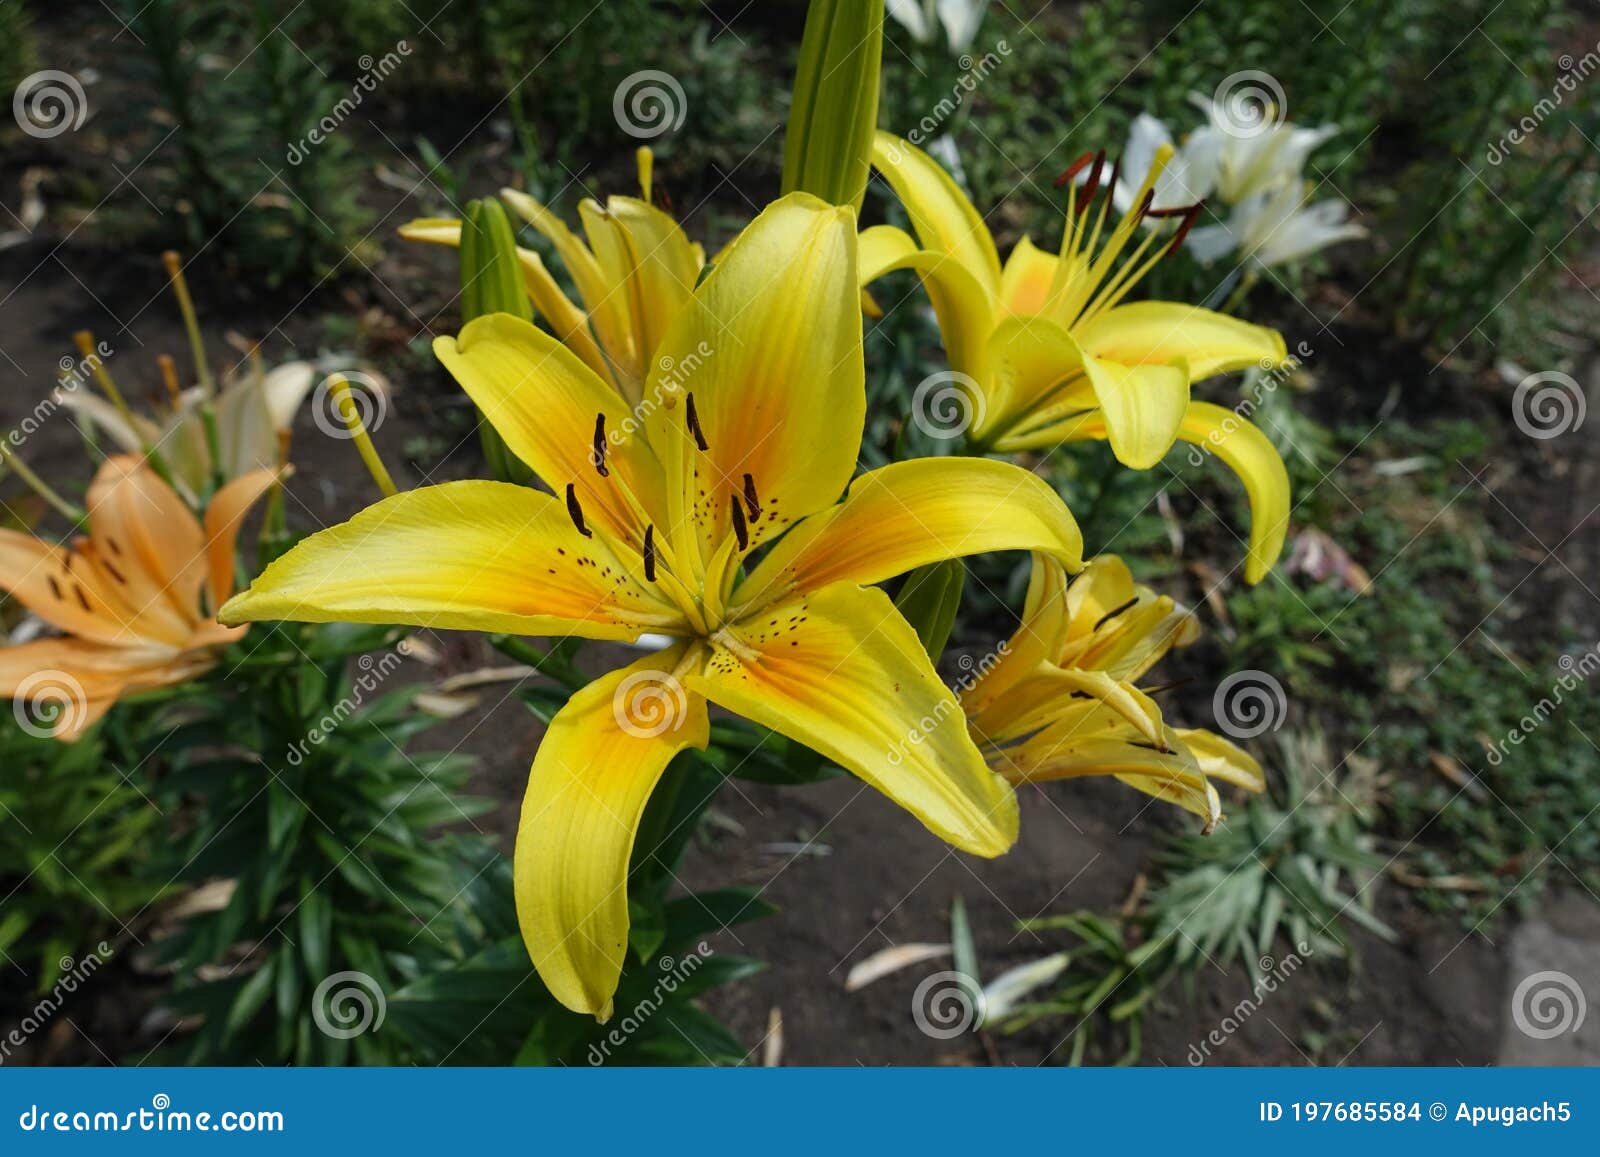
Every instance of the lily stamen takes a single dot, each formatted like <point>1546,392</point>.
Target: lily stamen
<point>740,530</point>
<point>693,419</point>
<point>1111,614</point>
<point>752,500</point>
<point>650,553</point>
<point>575,512</point>
<point>599,455</point>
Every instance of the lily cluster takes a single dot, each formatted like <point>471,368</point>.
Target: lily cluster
<point>1256,171</point>
<point>694,429</point>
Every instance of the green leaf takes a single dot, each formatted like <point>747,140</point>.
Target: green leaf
<point>929,599</point>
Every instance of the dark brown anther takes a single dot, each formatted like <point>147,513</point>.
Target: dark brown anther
<point>1109,615</point>
<point>1189,218</point>
<point>650,554</point>
<point>740,530</point>
<point>575,512</point>
<point>1092,185</point>
<point>752,501</point>
<point>600,445</point>
<point>1145,202</point>
<point>1074,169</point>
<point>693,418</point>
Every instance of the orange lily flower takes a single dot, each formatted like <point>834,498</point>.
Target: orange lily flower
<point>135,599</point>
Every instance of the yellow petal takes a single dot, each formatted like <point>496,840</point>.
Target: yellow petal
<point>1161,332</point>
<point>1143,406</point>
<point>1118,626</point>
<point>544,402</point>
<point>1094,740</point>
<point>1036,374</point>
<point>477,556</point>
<point>843,673</point>
<point>1026,279</point>
<point>944,220</point>
<point>651,267</point>
<point>1035,642</point>
<point>769,348</point>
<point>1250,455</point>
<point>607,308</point>
<point>902,516</point>
<point>1043,696</point>
<point>592,776</point>
<point>1222,760</point>
<point>568,322</point>
<point>959,300</point>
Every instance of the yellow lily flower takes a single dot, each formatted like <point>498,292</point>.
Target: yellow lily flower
<point>661,515</point>
<point>134,600</point>
<point>634,276</point>
<point>1054,353</point>
<point>1061,699</point>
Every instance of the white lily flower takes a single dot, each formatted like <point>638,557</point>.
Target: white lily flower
<point>1276,226</point>
<point>1187,178</point>
<point>1255,162</point>
<point>915,18</point>
<point>960,19</point>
